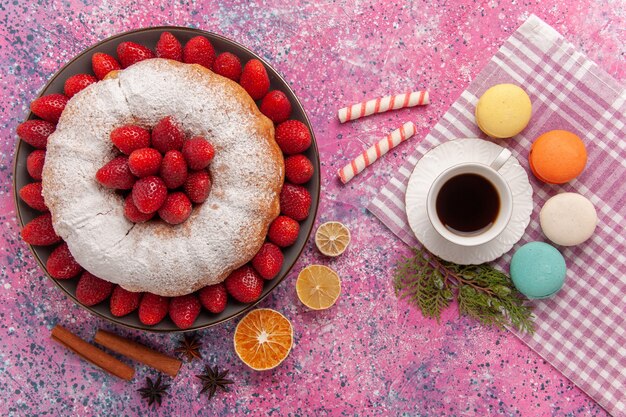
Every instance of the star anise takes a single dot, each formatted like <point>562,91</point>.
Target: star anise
<point>212,379</point>
<point>190,347</point>
<point>154,391</point>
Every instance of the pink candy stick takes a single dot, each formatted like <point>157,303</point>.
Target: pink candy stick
<point>371,155</point>
<point>383,104</point>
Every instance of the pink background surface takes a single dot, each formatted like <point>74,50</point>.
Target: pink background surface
<point>370,354</point>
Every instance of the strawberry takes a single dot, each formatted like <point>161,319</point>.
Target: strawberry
<point>129,138</point>
<point>153,308</point>
<point>173,169</point>
<point>35,132</point>
<point>39,231</point>
<point>31,195</point>
<point>228,65</point>
<point>34,163</point>
<point>102,64</point>
<point>293,137</point>
<point>123,302</point>
<point>295,201</point>
<point>214,297</point>
<point>116,174</point>
<point>276,106</point>
<point>144,162</point>
<point>244,284</point>
<point>268,261</point>
<point>130,53</point>
<point>168,47</point>
<point>199,50</point>
<point>298,169</point>
<point>198,186</point>
<point>167,135</point>
<point>149,194</point>
<point>92,290</point>
<point>184,310</point>
<point>254,79</point>
<point>61,264</point>
<point>77,82</point>
<point>132,213</point>
<point>283,231</point>
<point>49,107</point>
<point>176,208</point>
<point>198,152</point>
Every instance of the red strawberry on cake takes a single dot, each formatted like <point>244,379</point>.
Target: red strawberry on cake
<point>102,64</point>
<point>78,82</point>
<point>61,264</point>
<point>169,47</point>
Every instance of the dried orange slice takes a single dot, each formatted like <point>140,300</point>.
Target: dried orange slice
<point>332,238</point>
<point>318,287</point>
<point>263,339</point>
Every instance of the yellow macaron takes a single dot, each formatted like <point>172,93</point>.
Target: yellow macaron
<point>503,111</point>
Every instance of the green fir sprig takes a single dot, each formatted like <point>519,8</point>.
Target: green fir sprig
<point>481,291</point>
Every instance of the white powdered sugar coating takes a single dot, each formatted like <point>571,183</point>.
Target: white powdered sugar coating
<point>222,234</point>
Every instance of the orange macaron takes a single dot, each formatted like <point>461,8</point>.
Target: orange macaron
<point>557,156</point>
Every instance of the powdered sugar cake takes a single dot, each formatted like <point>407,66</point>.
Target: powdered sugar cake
<point>222,234</point>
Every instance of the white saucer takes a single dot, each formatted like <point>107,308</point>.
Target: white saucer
<point>445,156</point>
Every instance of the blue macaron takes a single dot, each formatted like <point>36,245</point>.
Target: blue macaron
<point>538,270</point>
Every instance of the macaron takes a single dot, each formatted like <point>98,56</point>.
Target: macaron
<point>538,270</point>
<point>557,156</point>
<point>503,111</point>
<point>568,219</point>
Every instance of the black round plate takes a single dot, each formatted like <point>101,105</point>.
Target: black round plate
<point>149,38</point>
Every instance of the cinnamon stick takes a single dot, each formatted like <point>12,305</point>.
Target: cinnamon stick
<point>139,352</point>
<point>92,354</point>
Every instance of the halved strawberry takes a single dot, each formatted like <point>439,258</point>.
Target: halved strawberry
<point>167,135</point>
<point>268,261</point>
<point>276,106</point>
<point>116,174</point>
<point>39,231</point>
<point>49,107</point>
<point>61,264</point>
<point>123,302</point>
<point>153,308</point>
<point>184,310</point>
<point>129,138</point>
<point>173,169</point>
<point>35,132</point>
<point>102,64</point>
<point>78,82</point>
<point>31,195</point>
<point>254,79</point>
<point>34,163</point>
<point>169,47</point>
<point>214,298</point>
<point>92,290</point>
<point>130,53</point>
<point>198,50</point>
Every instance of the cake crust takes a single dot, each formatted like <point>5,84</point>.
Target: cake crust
<point>221,234</point>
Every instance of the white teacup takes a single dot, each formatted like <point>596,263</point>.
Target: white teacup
<point>491,174</point>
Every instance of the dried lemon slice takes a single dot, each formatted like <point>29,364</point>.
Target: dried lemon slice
<point>332,238</point>
<point>263,339</point>
<point>318,287</point>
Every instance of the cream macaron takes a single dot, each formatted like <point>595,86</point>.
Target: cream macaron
<point>503,111</point>
<point>568,219</point>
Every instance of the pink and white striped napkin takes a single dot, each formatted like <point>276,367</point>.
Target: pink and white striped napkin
<point>582,330</point>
